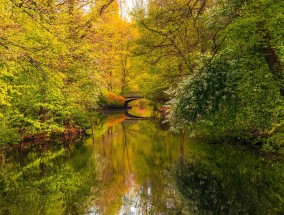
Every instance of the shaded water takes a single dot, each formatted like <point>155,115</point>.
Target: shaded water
<point>131,166</point>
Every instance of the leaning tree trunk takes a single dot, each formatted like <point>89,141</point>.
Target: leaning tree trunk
<point>272,59</point>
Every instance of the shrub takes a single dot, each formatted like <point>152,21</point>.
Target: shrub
<point>110,100</point>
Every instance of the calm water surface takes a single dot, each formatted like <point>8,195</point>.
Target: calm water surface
<point>130,166</point>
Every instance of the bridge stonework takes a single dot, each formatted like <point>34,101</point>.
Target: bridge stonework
<point>131,97</point>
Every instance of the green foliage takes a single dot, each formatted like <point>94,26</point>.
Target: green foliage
<point>226,96</point>
<point>235,90</point>
<point>203,94</point>
<point>47,72</point>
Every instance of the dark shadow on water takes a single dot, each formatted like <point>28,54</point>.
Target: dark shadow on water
<point>227,181</point>
<point>133,117</point>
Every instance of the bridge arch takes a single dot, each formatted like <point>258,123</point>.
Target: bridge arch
<point>128,101</point>
<point>131,97</point>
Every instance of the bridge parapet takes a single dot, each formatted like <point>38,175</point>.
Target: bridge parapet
<point>133,95</point>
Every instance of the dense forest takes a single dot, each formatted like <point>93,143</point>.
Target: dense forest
<point>214,66</point>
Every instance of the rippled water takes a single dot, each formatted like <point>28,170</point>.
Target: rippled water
<point>134,166</point>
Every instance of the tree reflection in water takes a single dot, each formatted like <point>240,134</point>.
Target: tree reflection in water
<point>132,162</point>
<point>225,180</point>
<point>137,167</point>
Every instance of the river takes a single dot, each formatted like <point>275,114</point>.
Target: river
<point>136,166</point>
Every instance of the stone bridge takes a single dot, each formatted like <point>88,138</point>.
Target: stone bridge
<point>129,97</point>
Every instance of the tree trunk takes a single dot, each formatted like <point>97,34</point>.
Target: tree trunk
<point>272,59</point>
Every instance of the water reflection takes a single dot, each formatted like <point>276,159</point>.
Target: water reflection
<point>145,170</point>
<point>140,108</point>
<point>135,167</point>
<point>133,157</point>
<point>226,180</point>
<point>48,178</point>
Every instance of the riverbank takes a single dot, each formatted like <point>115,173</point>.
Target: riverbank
<point>115,116</point>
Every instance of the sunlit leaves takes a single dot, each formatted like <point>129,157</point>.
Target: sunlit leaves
<point>48,71</point>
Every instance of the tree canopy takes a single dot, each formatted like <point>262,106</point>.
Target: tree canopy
<point>221,63</point>
<point>218,65</point>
